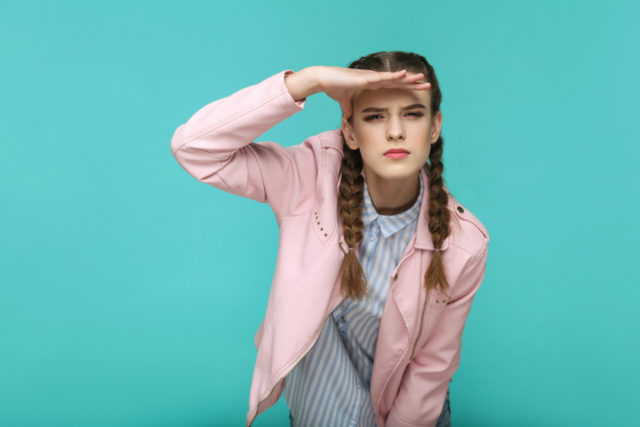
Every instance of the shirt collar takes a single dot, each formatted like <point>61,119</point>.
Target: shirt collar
<point>390,224</point>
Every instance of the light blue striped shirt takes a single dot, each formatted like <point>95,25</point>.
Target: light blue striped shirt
<point>330,386</point>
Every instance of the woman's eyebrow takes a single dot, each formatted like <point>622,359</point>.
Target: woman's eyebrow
<point>408,107</point>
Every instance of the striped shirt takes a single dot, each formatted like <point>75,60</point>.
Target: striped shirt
<point>330,386</point>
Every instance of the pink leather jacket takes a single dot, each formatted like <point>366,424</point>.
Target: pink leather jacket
<point>420,336</point>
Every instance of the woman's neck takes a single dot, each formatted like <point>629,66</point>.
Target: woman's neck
<point>393,197</point>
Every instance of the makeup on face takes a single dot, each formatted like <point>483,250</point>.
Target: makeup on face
<point>396,153</point>
<point>408,107</point>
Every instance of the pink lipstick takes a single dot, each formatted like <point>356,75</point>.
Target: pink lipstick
<point>396,153</point>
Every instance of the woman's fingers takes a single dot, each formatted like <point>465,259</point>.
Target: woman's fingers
<point>378,76</point>
<point>395,85</point>
<point>401,75</point>
<point>412,86</point>
<point>398,80</point>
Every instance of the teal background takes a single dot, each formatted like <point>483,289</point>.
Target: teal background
<point>131,293</point>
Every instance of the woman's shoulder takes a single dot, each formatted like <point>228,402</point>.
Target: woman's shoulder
<point>329,144</point>
<point>318,142</point>
<point>468,231</point>
<point>331,139</point>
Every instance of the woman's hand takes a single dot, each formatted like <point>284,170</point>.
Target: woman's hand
<point>341,83</point>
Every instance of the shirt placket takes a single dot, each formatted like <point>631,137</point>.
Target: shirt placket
<point>375,231</point>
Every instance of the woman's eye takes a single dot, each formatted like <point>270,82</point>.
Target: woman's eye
<point>416,114</point>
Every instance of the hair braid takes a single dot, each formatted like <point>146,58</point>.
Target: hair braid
<point>437,216</point>
<point>350,201</point>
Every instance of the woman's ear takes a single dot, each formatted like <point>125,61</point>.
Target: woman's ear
<point>347,132</point>
<point>436,127</point>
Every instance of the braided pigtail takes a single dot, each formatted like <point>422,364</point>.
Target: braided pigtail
<point>350,199</point>
<point>438,217</point>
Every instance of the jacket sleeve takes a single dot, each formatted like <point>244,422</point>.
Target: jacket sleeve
<point>425,382</point>
<point>216,146</point>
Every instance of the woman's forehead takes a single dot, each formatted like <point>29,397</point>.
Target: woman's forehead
<point>390,97</point>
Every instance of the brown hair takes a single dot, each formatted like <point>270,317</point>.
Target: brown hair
<point>351,191</point>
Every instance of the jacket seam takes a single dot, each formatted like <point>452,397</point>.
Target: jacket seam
<point>478,256</point>
<point>393,371</point>
<point>277,308</point>
<point>460,247</point>
<point>314,203</point>
<point>404,420</point>
<point>294,215</point>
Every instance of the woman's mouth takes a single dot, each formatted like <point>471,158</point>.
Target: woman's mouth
<point>396,154</point>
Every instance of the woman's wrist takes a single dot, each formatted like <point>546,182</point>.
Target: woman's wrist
<point>303,83</point>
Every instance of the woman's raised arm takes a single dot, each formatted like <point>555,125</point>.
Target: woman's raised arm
<point>216,145</point>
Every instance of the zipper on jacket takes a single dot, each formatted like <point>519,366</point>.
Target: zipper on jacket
<point>424,308</point>
<point>294,365</point>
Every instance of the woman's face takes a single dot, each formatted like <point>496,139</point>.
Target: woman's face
<point>381,121</point>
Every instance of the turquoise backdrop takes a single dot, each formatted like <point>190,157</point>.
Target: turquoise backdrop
<point>130,293</point>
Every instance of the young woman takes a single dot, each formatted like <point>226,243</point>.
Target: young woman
<point>378,263</point>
